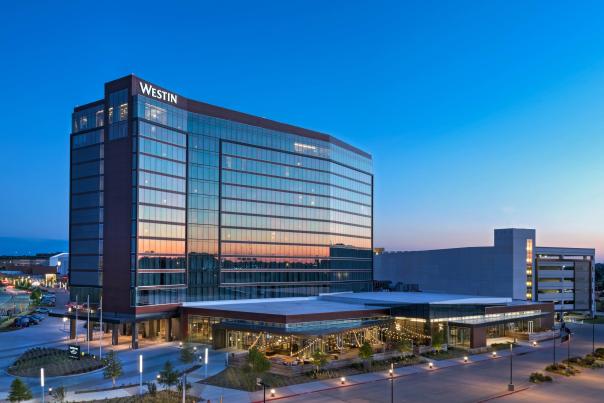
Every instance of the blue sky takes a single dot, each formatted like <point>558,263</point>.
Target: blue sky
<point>479,114</point>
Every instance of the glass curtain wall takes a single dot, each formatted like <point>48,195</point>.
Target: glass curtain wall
<point>268,214</point>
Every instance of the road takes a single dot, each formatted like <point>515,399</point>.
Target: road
<point>483,381</point>
<point>50,333</point>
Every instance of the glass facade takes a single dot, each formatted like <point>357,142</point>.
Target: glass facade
<point>86,202</point>
<point>227,210</point>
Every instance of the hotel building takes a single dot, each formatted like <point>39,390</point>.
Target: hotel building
<point>174,200</point>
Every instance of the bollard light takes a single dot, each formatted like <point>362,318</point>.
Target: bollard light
<point>180,344</point>
<point>494,354</point>
<point>431,365</point>
<point>535,343</point>
<point>390,372</point>
<point>465,359</point>
<point>272,392</point>
<point>342,380</point>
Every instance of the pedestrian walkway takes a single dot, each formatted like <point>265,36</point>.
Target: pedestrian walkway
<point>217,394</point>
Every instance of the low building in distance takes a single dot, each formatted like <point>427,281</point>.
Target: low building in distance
<point>513,267</point>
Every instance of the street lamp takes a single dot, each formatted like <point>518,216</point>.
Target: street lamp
<point>593,335</point>
<point>184,387</point>
<point>391,373</point>
<point>260,382</point>
<point>140,373</point>
<point>554,340</point>
<point>205,362</point>
<point>42,382</point>
<point>511,384</point>
<point>568,358</point>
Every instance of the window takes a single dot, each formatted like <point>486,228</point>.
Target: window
<point>124,111</point>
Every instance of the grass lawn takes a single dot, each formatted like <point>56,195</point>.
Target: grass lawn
<point>243,379</point>
<point>159,397</point>
<point>54,361</point>
<point>598,320</point>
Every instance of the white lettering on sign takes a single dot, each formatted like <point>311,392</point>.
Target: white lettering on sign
<point>150,90</point>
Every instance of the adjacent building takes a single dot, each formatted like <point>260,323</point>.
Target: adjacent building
<point>61,262</point>
<point>174,200</point>
<point>513,267</point>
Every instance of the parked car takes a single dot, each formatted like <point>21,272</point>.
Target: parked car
<point>37,317</point>
<point>32,320</point>
<point>22,321</point>
<point>42,310</point>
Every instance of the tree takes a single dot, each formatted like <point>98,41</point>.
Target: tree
<point>36,295</point>
<point>186,354</point>
<point>151,388</point>
<point>19,391</point>
<point>257,361</point>
<point>365,353</point>
<point>319,360</point>
<point>168,375</point>
<point>180,386</point>
<point>58,394</point>
<point>113,366</point>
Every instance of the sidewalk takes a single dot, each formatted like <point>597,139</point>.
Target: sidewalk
<point>214,393</point>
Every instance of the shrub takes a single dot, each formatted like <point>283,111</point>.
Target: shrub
<point>113,367</point>
<point>168,376</point>
<point>19,391</point>
<point>258,363</point>
<point>151,388</point>
<point>561,369</point>
<point>538,377</point>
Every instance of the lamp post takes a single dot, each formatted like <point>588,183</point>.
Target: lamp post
<point>593,335</point>
<point>184,387</point>
<point>88,331</point>
<point>511,384</point>
<point>568,357</point>
<point>391,372</point>
<point>140,374</point>
<point>101,327</point>
<point>42,382</point>
<point>76,321</point>
<point>554,340</point>
<point>260,382</point>
<point>205,362</point>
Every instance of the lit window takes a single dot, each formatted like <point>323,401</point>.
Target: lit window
<point>124,111</point>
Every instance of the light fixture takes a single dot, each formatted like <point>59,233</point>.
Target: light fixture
<point>494,354</point>
<point>465,359</point>
<point>390,372</point>
<point>272,392</point>
<point>534,343</point>
<point>431,365</point>
<point>342,380</point>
